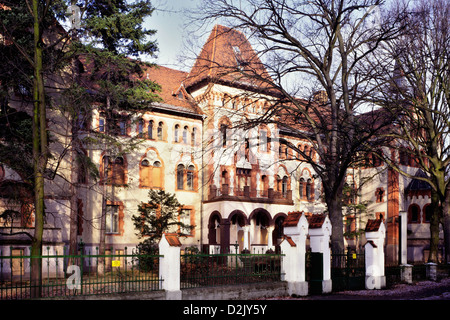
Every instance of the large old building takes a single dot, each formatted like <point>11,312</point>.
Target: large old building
<point>236,184</point>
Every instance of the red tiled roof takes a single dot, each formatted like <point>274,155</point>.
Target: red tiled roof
<point>290,241</point>
<point>172,239</point>
<point>372,243</point>
<point>316,221</point>
<point>170,81</point>
<point>224,55</point>
<point>373,225</point>
<point>292,219</point>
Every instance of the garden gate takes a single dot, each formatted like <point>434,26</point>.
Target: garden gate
<point>348,270</point>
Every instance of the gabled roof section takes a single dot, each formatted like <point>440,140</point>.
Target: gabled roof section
<point>290,241</point>
<point>171,81</point>
<point>373,225</point>
<point>227,57</point>
<point>292,219</point>
<point>316,221</point>
<point>173,239</point>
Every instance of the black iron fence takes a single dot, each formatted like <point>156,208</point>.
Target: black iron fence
<point>87,273</point>
<point>206,270</point>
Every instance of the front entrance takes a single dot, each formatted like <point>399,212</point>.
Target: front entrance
<point>316,272</point>
<point>348,270</point>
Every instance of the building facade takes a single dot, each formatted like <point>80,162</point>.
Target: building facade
<point>236,184</point>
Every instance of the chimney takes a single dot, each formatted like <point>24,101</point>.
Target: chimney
<point>320,96</point>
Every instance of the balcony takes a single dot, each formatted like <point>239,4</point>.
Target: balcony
<point>248,194</point>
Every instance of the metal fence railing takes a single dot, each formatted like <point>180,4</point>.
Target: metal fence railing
<point>86,273</point>
<point>206,270</point>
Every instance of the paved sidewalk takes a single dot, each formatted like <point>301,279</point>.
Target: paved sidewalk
<point>421,290</point>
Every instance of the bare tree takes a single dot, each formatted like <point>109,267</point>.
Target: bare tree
<point>315,50</point>
<point>419,91</point>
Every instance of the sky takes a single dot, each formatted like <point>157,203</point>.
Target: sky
<point>170,22</point>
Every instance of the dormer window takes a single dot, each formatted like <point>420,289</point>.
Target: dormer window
<point>238,55</point>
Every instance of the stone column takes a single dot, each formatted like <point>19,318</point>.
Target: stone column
<point>294,248</point>
<point>405,268</point>
<point>374,254</point>
<point>169,265</point>
<point>431,271</point>
<point>270,238</point>
<point>246,238</point>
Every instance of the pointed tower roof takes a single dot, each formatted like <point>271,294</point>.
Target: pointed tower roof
<point>418,184</point>
<point>228,58</point>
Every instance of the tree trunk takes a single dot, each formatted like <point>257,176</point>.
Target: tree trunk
<point>434,227</point>
<point>446,225</point>
<point>39,156</point>
<point>337,227</point>
<point>102,243</point>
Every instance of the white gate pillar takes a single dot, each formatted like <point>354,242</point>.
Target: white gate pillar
<point>319,235</point>
<point>169,265</point>
<point>374,254</point>
<point>293,247</point>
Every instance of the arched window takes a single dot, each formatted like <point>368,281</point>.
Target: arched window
<point>141,128</point>
<point>306,151</point>
<point>145,174</point>
<point>190,177</point>
<point>224,177</point>
<point>185,135</point>
<point>160,131</point>
<point>414,214</point>
<point>157,180</point>
<point>102,122</point>
<point>309,192</point>
<point>180,177</point>
<point>263,140</point>
<point>247,149</point>
<point>379,194</point>
<point>427,213</point>
<point>151,174</point>
<point>176,133</point>
<point>150,129</point>
<point>284,186</point>
<point>223,133</point>
<point>301,187</point>
<point>193,136</point>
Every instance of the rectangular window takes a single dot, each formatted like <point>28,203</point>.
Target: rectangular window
<point>112,219</point>
<point>223,133</point>
<point>101,124</point>
<point>185,220</point>
<point>180,177</point>
<point>263,141</point>
<point>122,128</point>
<point>190,178</point>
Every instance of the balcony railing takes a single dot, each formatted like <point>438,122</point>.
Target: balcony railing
<point>249,194</point>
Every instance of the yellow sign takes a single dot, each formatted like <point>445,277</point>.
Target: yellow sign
<point>354,256</point>
<point>116,263</point>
